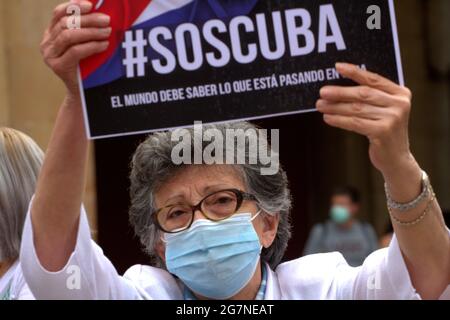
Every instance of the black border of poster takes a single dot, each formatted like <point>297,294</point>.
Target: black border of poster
<point>91,137</point>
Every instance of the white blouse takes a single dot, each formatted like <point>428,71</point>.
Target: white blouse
<point>89,274</point>
<point>13,285</point>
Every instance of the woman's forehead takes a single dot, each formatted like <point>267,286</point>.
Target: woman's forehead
<point>196,181</point>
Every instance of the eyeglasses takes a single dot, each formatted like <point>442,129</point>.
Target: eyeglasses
<point>217,206</point>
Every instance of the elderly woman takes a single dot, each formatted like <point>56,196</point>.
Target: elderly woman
<point>20,162</point>
<point>220,231</point>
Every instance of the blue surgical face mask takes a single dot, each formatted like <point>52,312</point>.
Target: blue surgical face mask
<point>339,214</point>
<point>215,259</point>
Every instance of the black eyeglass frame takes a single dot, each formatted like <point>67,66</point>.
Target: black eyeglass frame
<point>240,196</point>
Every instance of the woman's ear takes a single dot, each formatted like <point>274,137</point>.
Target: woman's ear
<point>160,249</point>
<point>269,228</point>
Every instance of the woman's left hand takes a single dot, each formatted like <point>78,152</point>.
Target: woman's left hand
<point>378,109</point>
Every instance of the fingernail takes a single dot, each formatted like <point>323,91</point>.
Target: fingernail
<point>105,19</point>
<point>319,104</point>
<point>106,31</point>
<point>324,91</point>
<point>343,66</point>
<point>87,5</point>
<point>104,44</point>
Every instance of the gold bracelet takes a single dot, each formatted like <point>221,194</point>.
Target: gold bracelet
<point>416,221</point>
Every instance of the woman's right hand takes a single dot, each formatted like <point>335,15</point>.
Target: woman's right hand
<point>63,47</point>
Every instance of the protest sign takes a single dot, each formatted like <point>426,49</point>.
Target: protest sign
<point>171,63</point>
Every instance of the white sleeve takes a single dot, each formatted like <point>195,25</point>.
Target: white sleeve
<point>88,274</point>
<point>19,288</point>
<point>23,292</point>
<point>383,276</point>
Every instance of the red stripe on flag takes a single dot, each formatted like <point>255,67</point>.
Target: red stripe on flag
<point>123,14</point>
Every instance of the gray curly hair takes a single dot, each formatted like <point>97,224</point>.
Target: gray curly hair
<point>152,166</point>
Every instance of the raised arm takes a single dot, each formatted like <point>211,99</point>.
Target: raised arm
<point>379,109</point>
<point>56,206</point>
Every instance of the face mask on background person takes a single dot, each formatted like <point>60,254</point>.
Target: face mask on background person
<point>215,259</point>
<point>339,214</point>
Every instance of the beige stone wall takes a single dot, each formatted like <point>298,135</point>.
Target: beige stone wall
<point>30,93</point>
<point>3,76</point>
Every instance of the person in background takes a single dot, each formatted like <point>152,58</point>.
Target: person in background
<point>20,162</point>
<point>343,232</point>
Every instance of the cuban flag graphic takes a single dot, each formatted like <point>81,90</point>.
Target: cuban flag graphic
<point>127,15</point>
